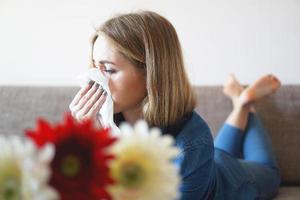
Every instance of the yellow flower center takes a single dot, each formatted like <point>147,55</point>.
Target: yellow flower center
<point>10,180</point>
<point>11,190</point>
<point>70,166</point>
<point>132,175</point>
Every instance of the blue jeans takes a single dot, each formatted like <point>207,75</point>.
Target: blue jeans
<point>253,150</point>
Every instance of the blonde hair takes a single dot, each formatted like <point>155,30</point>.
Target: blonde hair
<point>150,42</point>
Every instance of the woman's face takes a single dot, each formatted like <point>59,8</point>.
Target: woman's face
<point>127,83</point>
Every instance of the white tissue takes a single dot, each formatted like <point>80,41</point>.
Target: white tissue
<point>106,113</point>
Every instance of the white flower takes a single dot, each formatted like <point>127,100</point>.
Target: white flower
<point>24,170</point>
<point>143,168</point>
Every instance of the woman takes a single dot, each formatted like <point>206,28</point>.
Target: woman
<point>140,54</point>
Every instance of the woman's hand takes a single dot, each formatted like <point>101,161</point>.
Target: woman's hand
<point>88,102</point>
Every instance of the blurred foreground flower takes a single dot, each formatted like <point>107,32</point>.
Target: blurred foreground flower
<point>79,168</point>
<point>24,170</point>
<point>143,168</point>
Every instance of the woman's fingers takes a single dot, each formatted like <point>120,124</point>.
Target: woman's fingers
<point>98,104</point>
<point>85,109</point>
<point>88,102</point>
<point>80,94</point>
<point>85,98</point>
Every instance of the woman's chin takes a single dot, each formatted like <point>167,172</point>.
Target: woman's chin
<point>116,109</point>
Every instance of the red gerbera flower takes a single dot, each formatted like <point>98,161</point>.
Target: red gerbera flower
<point>79,167</point>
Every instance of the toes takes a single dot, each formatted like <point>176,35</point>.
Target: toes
<point>275,79</point>
<point>233,78</point>
<point>275,82</point>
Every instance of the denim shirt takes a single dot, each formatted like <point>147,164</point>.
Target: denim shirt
<point>196,160</point>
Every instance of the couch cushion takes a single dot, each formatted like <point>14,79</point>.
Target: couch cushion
<point>20,107</point>
<point>280,114</point>
<point>288,193</point>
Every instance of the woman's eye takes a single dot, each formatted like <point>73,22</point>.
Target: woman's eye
<point>110,71</point>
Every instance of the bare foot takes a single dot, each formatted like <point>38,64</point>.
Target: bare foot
<point>264,86</point>
<point>232,89</point>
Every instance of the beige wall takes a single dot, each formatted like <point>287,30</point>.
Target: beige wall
<point>45,42</point>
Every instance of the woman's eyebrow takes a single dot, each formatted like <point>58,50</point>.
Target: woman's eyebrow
<point>105,62</point>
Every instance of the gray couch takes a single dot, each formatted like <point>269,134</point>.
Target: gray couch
<point>20,106</point>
